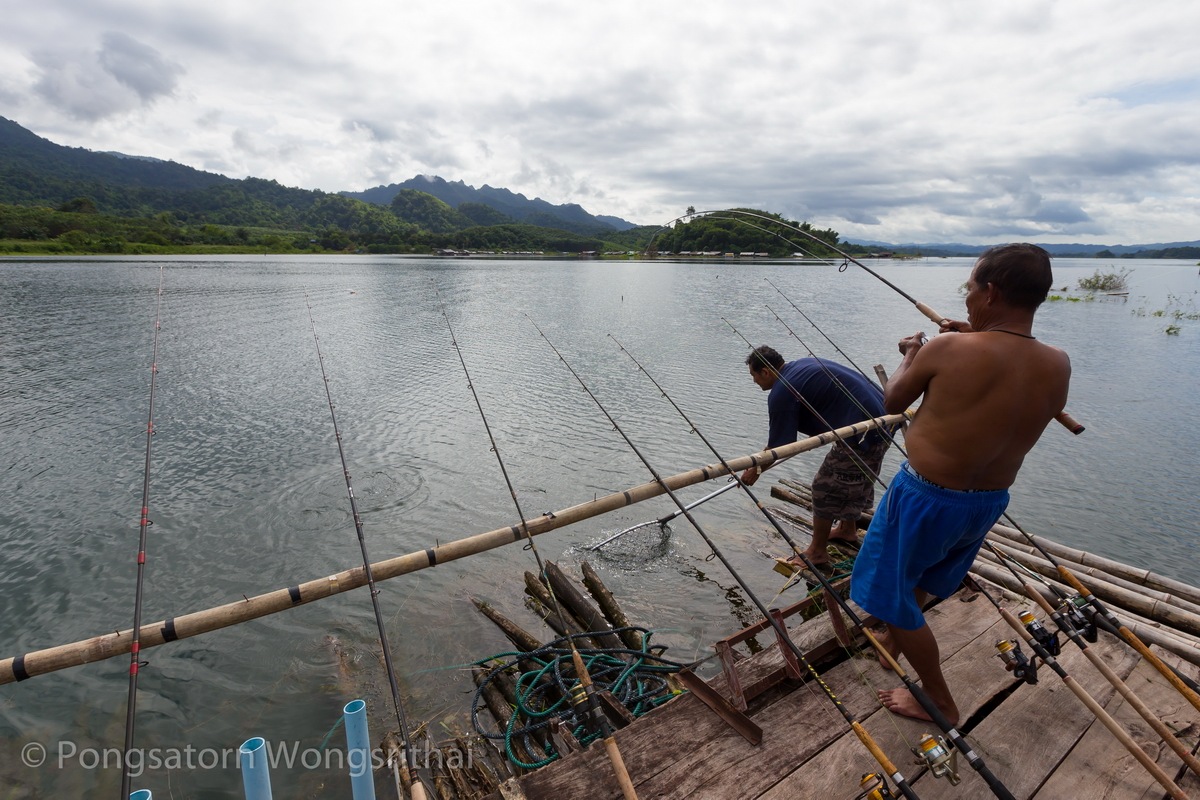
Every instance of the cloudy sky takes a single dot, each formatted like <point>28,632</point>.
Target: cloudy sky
<point>1049,120</point>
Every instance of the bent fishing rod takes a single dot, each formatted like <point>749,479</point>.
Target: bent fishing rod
<point>917,692</point>
<point>806,317</point>
<point>863,736</point>
<point>144,524</point>
<point>583,695</point>
<point>1065,419</point>
<point>410,762</point>
<point>1072,633</point>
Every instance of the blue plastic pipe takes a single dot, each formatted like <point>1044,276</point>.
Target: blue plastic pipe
<point>256,772</point>
<point>358,750</point>
<point>141,794</point>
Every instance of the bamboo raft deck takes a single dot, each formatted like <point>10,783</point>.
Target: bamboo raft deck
<point>1039,740</point>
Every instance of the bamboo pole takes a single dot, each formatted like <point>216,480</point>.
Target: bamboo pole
<point>581,608</point>
<point>1131,588</point>
<point>96,648</point>
<point>1148,607</point>
<point>1019,551</point>
<point>608,604</point>
<point>1141,577</point>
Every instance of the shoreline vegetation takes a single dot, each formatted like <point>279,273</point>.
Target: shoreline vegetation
<point>431,228</point>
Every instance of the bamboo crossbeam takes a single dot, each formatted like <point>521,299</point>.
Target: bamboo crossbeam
<point>107,645</point>
<point>1149,607</point>
<point>1141,577</point>
<point>1023,551</point>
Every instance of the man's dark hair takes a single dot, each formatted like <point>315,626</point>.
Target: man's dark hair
<point>1020,271</point>
<point>764,357</point>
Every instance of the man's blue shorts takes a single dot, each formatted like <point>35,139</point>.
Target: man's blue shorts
<point>923,536</point>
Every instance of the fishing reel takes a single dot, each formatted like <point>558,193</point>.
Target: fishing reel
<point>1073,610</point>
<point>939,757</point>
<point>1040,633</point>
<point>874,787</point>
<point>1015,660</point>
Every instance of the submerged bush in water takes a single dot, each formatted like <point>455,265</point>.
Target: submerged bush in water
<point>1106,281</point>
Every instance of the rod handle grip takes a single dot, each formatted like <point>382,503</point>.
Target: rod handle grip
<point>1070,423</point>
<point>933,316</point>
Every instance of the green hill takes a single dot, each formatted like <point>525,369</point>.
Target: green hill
<point>56,199</point>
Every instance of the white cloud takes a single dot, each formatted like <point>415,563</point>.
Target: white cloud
<point>1072,121</point>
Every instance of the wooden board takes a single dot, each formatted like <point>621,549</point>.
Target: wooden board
<point>1030,734</point>
<point>1098,767</point>
<point>967,633</point>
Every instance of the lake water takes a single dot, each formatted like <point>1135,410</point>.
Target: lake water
<point>247,493</point>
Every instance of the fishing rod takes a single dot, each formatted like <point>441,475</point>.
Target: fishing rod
<point>1110,621</point>
<point>861,732</point>
<point>931,708</point>
<point>818,330</point>
<point>1067,421</point>
<point>144,524</point>
<point>583,694</point>
<point>1064,624</point>
<point>418,789</point>
<point>661,521</point>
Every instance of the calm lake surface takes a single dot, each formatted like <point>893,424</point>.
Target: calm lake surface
<point>247,493</point>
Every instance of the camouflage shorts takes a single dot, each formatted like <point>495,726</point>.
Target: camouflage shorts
<point>842,489</point>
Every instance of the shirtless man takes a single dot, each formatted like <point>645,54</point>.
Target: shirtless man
<point>988,395</point>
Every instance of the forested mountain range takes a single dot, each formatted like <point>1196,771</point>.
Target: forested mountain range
<point>56,199</point>
<point>110,202</point>
<point>511,206</point>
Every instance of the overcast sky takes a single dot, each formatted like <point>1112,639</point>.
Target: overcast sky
<point>1055,121</point>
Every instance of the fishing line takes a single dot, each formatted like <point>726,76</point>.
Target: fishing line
<point>855,725</point>
<point>936,715</point>
<point>418,789</point>
<point>144,524</point>
<point>583,696</point>
<point>1062,417</point>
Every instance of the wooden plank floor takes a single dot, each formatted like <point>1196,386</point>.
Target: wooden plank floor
<point>1040,741</point>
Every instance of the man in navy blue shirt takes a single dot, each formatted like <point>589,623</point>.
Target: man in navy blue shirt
<point>813,396</point>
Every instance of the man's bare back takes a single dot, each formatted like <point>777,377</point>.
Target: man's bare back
<point>988,395</point>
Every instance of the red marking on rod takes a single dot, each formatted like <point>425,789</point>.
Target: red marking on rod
<point>133,668</point>
<point>135,648</point>
<point>141,557</point>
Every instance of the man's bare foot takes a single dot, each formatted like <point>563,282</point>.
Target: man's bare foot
<point>901,701</point>
<point>884,637</point>
<point>821,561</point>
